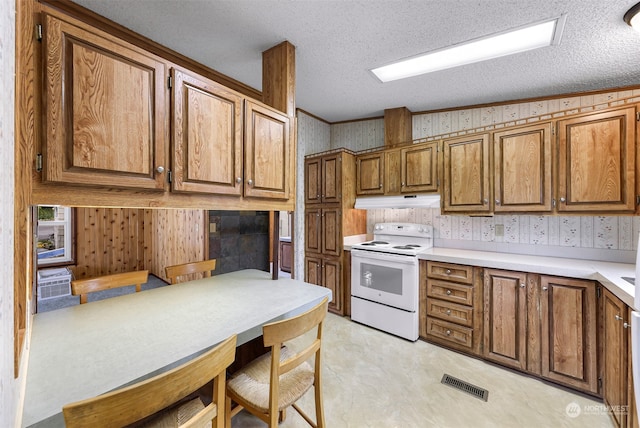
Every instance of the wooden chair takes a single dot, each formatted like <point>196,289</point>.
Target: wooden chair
<point>173,272</point>
<point>154,396</point>
<point>83,287</point>
<point>276,380</point>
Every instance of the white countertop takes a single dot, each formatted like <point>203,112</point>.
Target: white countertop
<point>607,273</point>
<point>85,350</point>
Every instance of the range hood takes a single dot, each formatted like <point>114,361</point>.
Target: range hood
<point>402,201</point>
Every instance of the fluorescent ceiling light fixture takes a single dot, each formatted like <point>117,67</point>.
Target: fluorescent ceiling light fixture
<point>533,36</point>
<point>632,17</point>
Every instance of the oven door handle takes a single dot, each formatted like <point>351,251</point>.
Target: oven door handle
<point>372,255</point>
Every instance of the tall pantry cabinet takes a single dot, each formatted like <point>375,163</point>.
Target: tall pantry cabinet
<point>330,217</point>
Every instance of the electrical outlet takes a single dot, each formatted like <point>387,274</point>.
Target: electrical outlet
<point>499,229</point>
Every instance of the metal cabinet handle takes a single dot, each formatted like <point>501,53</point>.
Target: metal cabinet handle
<point>448,271</point>
<point>485,201</point>
<point>618,317</point>
<point>448,332</point>
<point>497,201</point>
<point>160,169</point>
<point>544,288</point>
<point>522,285</point>
<point>250,182</point>
<point>448,292</point>
<point>381,185</point>
<point>448,311</point>
<point>238,180</point>
<point>563,200</point>
<point>626,325</point>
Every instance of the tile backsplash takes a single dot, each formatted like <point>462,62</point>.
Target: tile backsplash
<point>609,238</point>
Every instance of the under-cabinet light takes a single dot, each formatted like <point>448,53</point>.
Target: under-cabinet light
<point>521,39</point>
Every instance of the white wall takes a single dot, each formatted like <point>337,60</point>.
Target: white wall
<point>10,388</point>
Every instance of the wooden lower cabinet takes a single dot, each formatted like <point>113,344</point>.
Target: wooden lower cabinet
<point>569,330</point>
<point>451,306</point>
<point>286,256</point>
<point>334,274</point>
<point>614,356</point>
<point>505,318</point>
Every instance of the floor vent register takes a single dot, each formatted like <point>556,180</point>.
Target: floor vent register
<point>477,392</point>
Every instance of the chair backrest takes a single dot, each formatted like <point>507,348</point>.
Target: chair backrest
<point>276,333</point>
<point>84,286</point>
<point>136,402</point>
<point>176,271</point>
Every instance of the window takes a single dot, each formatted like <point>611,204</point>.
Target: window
<point>54,243</point>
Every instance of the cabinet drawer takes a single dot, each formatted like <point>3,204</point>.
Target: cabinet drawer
<point>456,334</point>
<point>448,311</point>
<point>450,272</point>
<point>450,291</point>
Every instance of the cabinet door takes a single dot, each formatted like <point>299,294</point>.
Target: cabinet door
<point>596,169</point>
<point>286,256</point>
<point>207,136</point>
<point>505,317</point>
<point>568,342</point>
<point>392,172</point>
<point>104,109</point>
<point>420,168</point>
<point>332,279</point>
<point>466,174</point>
<point>313,270</point>
<point>332,179</point>
<point>313,234</point>
<point>267,148</point>
<point>331,232</point>
<point>614,383</point>
<point>312,180</point>
<point>370,174</point>
<point>522,169</point>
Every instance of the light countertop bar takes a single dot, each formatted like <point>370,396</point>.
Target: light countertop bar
<point>85,350</point>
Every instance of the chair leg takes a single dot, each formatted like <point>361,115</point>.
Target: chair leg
<point>319,406</point>
<point>227,412</point>
<point>283,415</point>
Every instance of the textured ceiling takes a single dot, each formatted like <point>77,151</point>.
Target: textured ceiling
<point>339,41</point>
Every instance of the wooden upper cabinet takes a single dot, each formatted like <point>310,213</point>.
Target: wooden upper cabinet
<point>569,328</point>
<point>596,170</point>
<point>331,183</point>
<point>104,107</point>
<point>370,174</point>
<point>466,174</point>
<point>419,168</point>
<point>267,150</point>
<point>522,169</point>
<point>392,172</point>
<point>313,180</point>
<point>207,136</point>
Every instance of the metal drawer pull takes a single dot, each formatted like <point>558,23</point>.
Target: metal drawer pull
<point>448,292</point>
<point>448,311</point>
<point>448,332</point>
<point>448,272</point>
<point>618,317</point>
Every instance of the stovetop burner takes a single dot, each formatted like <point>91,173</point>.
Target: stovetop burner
<point>399,238</point>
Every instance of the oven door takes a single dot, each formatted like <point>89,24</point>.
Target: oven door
<point>390,279</point>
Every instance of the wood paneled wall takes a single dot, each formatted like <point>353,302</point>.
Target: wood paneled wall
<point>113,240</point>
<point>177,236</point>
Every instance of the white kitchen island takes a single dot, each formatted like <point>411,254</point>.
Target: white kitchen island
<point>86,350</point>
